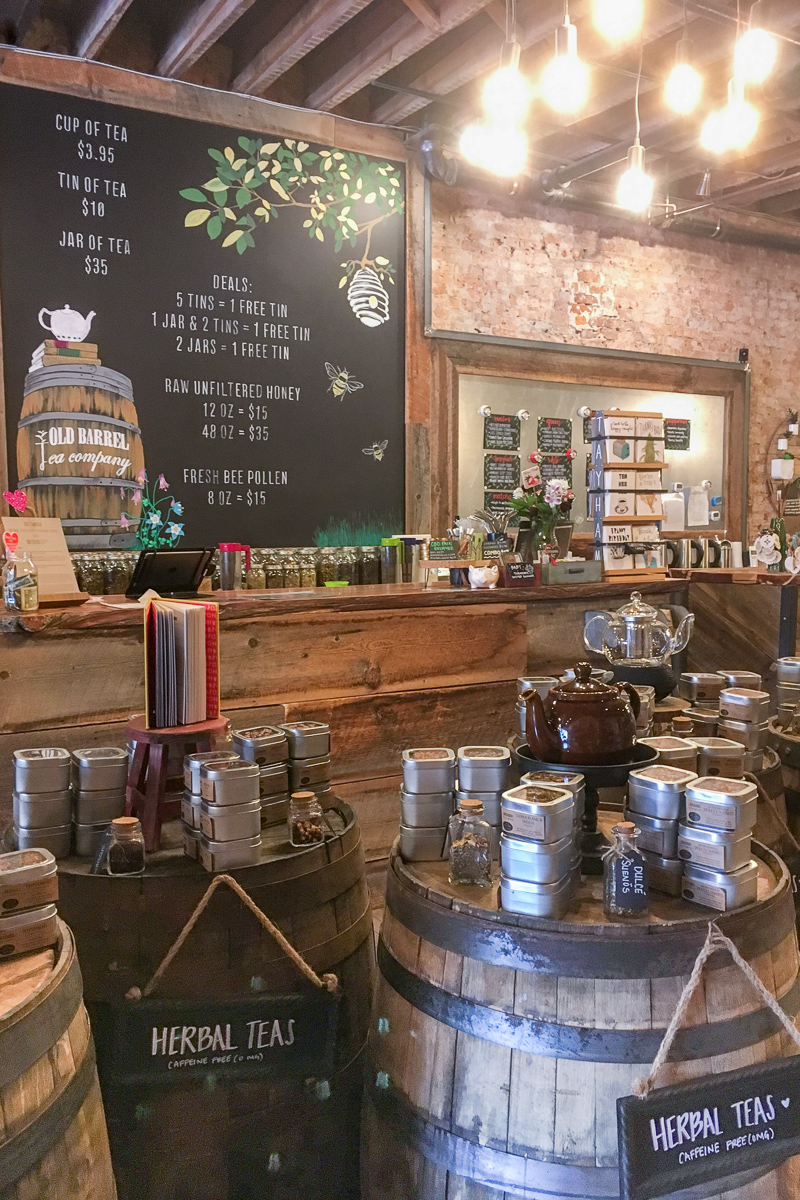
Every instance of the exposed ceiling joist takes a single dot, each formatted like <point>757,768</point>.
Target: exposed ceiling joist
<point>99,26</point>
<point>425,13</point>
<point>315,22</point>
<point>787,202</point>
<point>204,25</point>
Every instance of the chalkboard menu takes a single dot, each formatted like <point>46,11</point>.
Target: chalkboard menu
<point>501,432</point>
<point>221,308</point>
<point>497,503</point>
<point>501,471</point>
<point>554,434</point>
<point>677,433</point>
<point>556,466</point>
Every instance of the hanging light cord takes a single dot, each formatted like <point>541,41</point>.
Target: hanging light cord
<point>638,83</point>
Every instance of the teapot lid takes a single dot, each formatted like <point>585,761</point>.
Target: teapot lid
<point>636,612</point>
<point>583,686</point>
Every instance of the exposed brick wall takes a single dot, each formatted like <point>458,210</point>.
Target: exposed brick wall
<point>550,275</point>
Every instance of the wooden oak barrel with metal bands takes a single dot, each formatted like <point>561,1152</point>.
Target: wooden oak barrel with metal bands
<point>500,1043</point>
<point>78,443</point>
<point>769,828</point>
<point>53,1140</point>
<point>278,1138</point>
<point>787,747</point>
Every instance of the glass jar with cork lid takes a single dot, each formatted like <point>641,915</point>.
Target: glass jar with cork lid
<point>470,846</point>
<point>305,819</point>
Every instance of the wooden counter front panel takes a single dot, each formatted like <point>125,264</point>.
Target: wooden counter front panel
<point>736,628</point>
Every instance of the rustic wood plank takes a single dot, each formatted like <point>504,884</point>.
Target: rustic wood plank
<point>575,1111</point>
<point>622,1004</point>
<point>376,803</point>
<point>532,1105</point>
<point>611,1080</point>
<point>204,25</point>
<point>481,1091</point>
<point>99,26</point>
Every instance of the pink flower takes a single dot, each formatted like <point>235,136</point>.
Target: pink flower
<point>162,483</point>
<point>137,496</point>
<point>141,478</point>
<point>124,522</point>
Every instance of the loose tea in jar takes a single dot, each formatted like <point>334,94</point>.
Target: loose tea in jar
<point>470,846</point>
<point>126,848</point>
<point>305,819</point>
<point>625,875</point>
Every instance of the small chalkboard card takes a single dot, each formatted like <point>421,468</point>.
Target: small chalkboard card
<point>496,546</point>
<point>184,1041</point>
<point>556,466</point>
<point>626,882</point>
<point>441,549</point>
<point>518,574</point>
<point>501,471</point>
<point>677,433</point>
<point>501,432</point>
<point>710,1131</point>
<point>497,503</point>
<point>554,434</point>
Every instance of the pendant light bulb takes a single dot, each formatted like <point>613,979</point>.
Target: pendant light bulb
<point>618,20</point>
<point>507,93</point>
<point>757,49</point>
<point>635,188</point>
<point>500,149</point>
<point>714,133</point>
<point>741,117</point>
<point>685,83</point>
<point>565,80</point>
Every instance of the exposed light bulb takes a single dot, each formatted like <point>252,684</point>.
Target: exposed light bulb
<point>565,80</point>
<point>755,55</point>
<point>714,133</point>
<point>635,188</point>
<point>742,118</point>
<point>507,93</point>
<point>618,20</point>
<point>685,83</point>
<point>501,149</point>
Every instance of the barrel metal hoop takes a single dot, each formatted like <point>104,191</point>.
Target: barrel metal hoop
<point>28,1147</point>
<point>95,418</point>
<point>76,374</point>
<point>551,1040</point>
<point>666,953</point>
<point>25,1041</point>
<point>78,481</point>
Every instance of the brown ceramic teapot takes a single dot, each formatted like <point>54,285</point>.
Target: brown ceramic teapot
<point>582,721</point>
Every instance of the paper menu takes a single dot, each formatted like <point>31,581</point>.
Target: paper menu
<point>42,539</point>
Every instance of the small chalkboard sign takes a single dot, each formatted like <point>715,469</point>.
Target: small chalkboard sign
<point>501,432</point>
<point>494,547</point>
<point>501,471</point>
<point>626,882</point>
<point>677,433</point>
<point>497,503</point>
<point>587,429</point>
<point>556,466</point>
<point>515,574</point>
<point>440,549</point>
<point>711,1130</point>
<point>184,1041</point>
<point>554,434</point>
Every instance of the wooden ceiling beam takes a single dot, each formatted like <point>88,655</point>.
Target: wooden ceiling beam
<point>204,25</point>
<point>315,22</point>
<point>404,37</point>
<point>99,26</point>
<point>776,206</point>
<point>425,13</point>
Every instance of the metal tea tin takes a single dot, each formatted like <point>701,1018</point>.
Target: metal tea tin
<point>191,842</point>
<point>536,899</point>
<point>521,710</point>
<point>274,810</point>
<point>788,670</point>
<point>572,781</point>
<point>717,889</point>
<point>658,836</point>
<point>264,745</point>
<point>43,810</point>
<point>230,822</point>
<point>704,722</point>
<point>229,782</point>
<point>94,807</point>
<point>741,679</point>
<point>541,811</point>
<point>744,704</point>
<point>423,845</point>
<point>536,862</point>
<point>721,849</point>
<point>34,929</point>
<point>658,791</point>
<point>426,811</point>
<point>100,768</point>
<point>483,768</point>
<point>664,874</point>
<point>308,739</point>
<point>28,879</point>
<point>45,770</point>
<point>700,686</point>
<point>720,803</point>
<point>785,713</point>
<point>788,693</point>
<point>429,769</point>
<point>89,838</point>
<point>190,810</point>
<point>674,751</point>
<point>273,780</point>
<point>719,756</point>
<point>57,840</point>
<point>226,856</point>
<point>306,772</point>
<point>752,737</point>
<point>193,762</point>
<point>754,760</point>
<point>536,683</point>
<point>647,704</point>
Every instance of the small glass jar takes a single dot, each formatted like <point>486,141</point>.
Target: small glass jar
<point>126,847</point>
<point>328,566</point>
<point>291,569</point>
<point>307,563</point>
<point>370,564</point>
<point>255,579</point>
<point>115,579</point>
<point>77,566</point>
<point>470,846</point>
<point>348,565</point>
<point>305,819</point>
<point>93,575</point>
<point>273,569</point>
<point>20,583</point>
<point>624,875</point>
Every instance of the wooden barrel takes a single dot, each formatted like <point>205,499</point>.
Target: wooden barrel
<point>79,446</point>
<point>787,747</point>
<point>53,1140</point>
<point>768,828</point>
<point>500,1043</point>
<point>281,1138</point>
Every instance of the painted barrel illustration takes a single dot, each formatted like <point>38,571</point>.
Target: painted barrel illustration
<point>78,444</point>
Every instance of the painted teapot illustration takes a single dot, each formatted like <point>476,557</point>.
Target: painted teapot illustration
<point>66,324</point>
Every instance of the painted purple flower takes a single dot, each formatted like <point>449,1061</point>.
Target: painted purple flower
<point>162,483</point>
<point>141,478</point>
<point>124,522</point>
<point>137,496</point>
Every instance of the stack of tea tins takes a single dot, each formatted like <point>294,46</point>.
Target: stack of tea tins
<point>192,797</point>
<point>714,842</point>
<point>230,814</point>
<point>99,776</point>
<point>788,672</point>
<point>538,847</point>
<point>656,804</point>
<point>268,747</point>
<point>427,798</point>
<point>43,800</point>
<point>483,774</point>
<point>744,713</point>
<point>28,895</point>
<point>309,758</point>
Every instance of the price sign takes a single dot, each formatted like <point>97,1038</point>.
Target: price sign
<point>501,432</point>
<point>554,434</point>
<point>501,471</point>
<point>521,574</point>
<point>677,433</point>
<point>497,503</point>
<point>556,466</point>
<point>441,549</point>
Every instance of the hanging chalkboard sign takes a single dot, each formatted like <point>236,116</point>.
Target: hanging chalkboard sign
<point>497,503</point>
<point>553,434</point>
<point>250,342</point>
<point>708,1131</point>
<point>180,1041</point>
<point>587,429</point>
<point>501,432</point>
<point>677,433</point>
<point>501,471</point>
<point>556,466</point>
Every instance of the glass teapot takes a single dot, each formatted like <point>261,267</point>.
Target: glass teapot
<point>636,634</point>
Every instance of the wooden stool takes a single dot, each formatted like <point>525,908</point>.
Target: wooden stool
<point>145,793</point>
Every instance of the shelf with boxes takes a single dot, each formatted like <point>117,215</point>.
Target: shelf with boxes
<point>625,491</point>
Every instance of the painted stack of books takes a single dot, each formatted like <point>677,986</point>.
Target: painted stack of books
<point>53,353</point>
<point>625,490</point>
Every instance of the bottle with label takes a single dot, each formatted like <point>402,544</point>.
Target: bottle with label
<point>20,578</point>
<point>470,846</point>
<point>624,875</point>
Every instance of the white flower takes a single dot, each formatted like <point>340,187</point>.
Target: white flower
<point>154,518</point>
<point>767,547</point>
<point>518,493</point>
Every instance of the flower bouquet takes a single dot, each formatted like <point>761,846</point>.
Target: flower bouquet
<point>157,527</point>
<point>541,506</point>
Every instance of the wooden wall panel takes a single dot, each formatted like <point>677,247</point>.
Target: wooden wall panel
<point>735,627</point>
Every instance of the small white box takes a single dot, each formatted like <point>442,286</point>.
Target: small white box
<point>615,560</point>
<point>649,450</point>
<point>650,426</point>
<point>646,533</point>
<point>612,534</point>
<point>613,504</point>
<point>648,481</point>
<point>612,451</point>
<point>648,504</point>
<point>614,425</point>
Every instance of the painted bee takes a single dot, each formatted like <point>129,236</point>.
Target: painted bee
<point>341,380</point>
<point>376,450</point>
